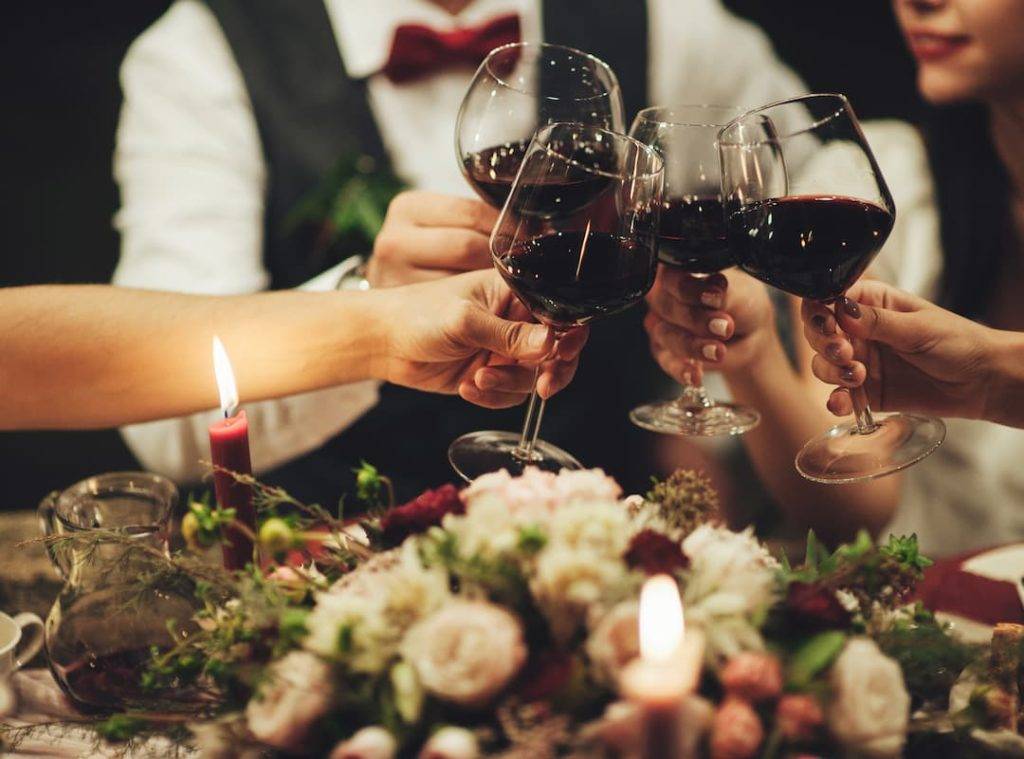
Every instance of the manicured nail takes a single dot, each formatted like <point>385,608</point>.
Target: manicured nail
<point>538,339</point>
<point>719,327</point>
<point>822,324</point>
<point>710,352</point>
<point>848,373</point>
<point>852,309</point>
<point>711,299</point>
<point>833,350</point>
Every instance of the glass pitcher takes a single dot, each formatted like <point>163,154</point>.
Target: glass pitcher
<point>115,606</point>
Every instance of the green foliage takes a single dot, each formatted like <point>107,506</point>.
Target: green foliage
<point>905,550</point>
<point>813,657</point>
<point>350,203</point>
<point>531,540</point>
<point>121,727</point>
<point>930,657</point>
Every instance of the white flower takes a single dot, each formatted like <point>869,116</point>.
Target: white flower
<point>870,707</point>
<point>537,493</point>
<point>451,743</point>
<point>368,743</point>
<point>297,693</point>
<point>466,652</point>
<point>362,623</point>
<point>599,526</point>
<point>732,578</point>
<point>614,642</point>
<point>571,585</point>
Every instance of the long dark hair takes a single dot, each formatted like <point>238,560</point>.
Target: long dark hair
<point>971,187</point>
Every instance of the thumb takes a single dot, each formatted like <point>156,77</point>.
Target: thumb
<point>520,341</point>
<point>898,329</point>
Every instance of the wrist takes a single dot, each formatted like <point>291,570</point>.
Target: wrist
<point>1003,388</point>
<point>363,323</point>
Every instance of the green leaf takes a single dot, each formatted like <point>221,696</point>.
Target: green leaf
<point>120,727</point>
<point>813,657</point>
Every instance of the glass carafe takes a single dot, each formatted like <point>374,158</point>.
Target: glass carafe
<point>119,601</point>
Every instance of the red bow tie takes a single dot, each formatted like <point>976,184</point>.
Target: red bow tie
<point>418,51</point>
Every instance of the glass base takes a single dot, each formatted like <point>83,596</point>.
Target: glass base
<point>680,417</point>
<point>843,454</point>
<point>481,452</point>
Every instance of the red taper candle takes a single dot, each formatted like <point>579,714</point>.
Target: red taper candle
<point>229,451</point>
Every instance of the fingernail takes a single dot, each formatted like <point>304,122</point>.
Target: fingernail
<point>719,327</point>
<point>833,350</point>
<point>851,308</point>
<point>710,352</point>
<point>848,373</point>
<point>820,323</point>
<point>538,339</point>
<point>486,380</point>
<point>711,299</point>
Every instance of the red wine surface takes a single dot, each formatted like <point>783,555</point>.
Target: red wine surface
<point>567,279</point>
<point>692,235</point>
<point>566,189</point>
<point>812,246</point>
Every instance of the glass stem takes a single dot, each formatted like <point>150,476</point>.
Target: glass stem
<point>694,394</point>
<point>866,423</point>
<point>531,426</point>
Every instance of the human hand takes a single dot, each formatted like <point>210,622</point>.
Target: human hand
<point>724,320</point>
<point>427,236</point>
<point>916,356</point>
<point>468,334</point>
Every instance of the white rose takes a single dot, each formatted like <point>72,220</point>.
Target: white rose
<point>451,743</point>
<point>615,642</point>
<point>297,693</point>
<point>466,652</point>
<point>368,743</point>
<point>871,706</point>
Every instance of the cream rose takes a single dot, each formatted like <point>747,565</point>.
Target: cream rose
<point>296,694</point>
<point>870,707</point>
<point>466,652</point>
<point>615,642</point>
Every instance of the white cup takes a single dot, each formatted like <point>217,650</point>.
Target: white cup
<point>21,637</point>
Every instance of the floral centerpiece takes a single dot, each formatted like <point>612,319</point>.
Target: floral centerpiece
<point>498,620</point>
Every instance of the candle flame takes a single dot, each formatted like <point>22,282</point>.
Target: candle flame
<point>225,379</point>
<point>661,618</point>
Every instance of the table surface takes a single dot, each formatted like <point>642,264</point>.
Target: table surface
<point>27,580</point>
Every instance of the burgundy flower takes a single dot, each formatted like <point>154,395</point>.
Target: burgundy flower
<point>815,607</point>
<point>546,674</point>
<point>655,553</point>
<point>420,514</point>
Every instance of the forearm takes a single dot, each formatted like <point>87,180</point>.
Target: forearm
<point>1004,401</point>
<point>92,356</point>
<point>790,416</point>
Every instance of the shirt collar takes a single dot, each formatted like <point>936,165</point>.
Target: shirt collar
<point>364,29</point>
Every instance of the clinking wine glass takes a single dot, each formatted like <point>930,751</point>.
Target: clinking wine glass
<point>807,210</point>
<point>691,237</point>
<point>568,269</point>
<point>519,88</point>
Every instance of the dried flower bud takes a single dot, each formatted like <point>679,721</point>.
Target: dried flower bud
<point>276,536</point>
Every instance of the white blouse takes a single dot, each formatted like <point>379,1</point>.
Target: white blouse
<point>970,492</point>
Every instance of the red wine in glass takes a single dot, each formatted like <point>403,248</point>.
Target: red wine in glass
<point>813,246</point>
<point>693,236</point>
<point>567,279</point>
<point>491,172</point>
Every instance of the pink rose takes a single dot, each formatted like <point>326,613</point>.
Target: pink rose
<point>536,492</point>
<point>754,676</point>
<point>451,743</point>
<point>466,652</point>
<point>798,715</point>
<point>296,694</point>
<point>736,732</point>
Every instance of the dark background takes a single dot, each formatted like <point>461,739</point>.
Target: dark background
<point>59,62</point>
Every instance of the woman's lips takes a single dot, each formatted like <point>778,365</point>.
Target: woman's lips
<point>932,47</point>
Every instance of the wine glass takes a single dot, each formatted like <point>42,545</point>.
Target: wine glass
<point>518,88</point>
<point>692,238</point>
<point>807,209</point>
<point>569,268</point>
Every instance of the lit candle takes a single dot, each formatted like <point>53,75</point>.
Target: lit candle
<point>229,451</point>
<point>667,670</point>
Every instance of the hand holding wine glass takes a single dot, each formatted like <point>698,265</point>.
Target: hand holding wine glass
<point>575,241</point>
<point>691,239</point>
<point>807,209</point>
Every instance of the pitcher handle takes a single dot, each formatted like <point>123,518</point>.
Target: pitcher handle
<point>31,642</point>
<point>47,512</point>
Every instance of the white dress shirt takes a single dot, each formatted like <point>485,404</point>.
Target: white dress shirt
<point>193,177</point>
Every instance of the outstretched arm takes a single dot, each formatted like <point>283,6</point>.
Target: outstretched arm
<point>95,356</point>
